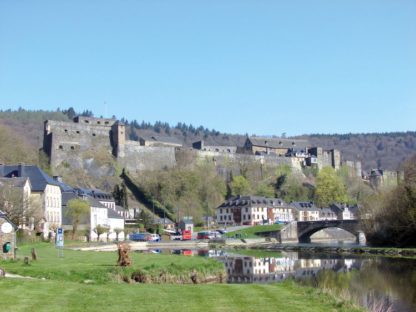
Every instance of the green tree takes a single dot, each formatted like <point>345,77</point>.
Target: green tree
<point>390,216</point>
<point>294,189</point>
<point>78,210</point>
<point>100,230</point>
<point>264,189</point>
<point>240,186</point>
<point>145,218</point>
<point>329,188</point>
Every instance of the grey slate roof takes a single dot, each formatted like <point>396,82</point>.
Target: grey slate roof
<point>15,182</point>
<point>113,214</point>
<point>277,142</point>
<point>95,193</point>
<point>250,201</point>
<point>302,206</point>
<point>38,178</point>
<point>339,208</point>
<point>162,221</point>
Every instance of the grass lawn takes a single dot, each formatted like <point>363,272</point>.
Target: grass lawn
<point>250,232</point>
<point>51,295</point>
<point>87,281</point>
<point>100,267</point>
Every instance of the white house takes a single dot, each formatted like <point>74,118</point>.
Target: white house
<point>45,192</point>
<point>305,211</point>
<point>252,210</point>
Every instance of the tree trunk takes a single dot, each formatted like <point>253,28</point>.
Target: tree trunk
<point>74,230</point>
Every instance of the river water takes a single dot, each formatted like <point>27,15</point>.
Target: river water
<point>376,283</point>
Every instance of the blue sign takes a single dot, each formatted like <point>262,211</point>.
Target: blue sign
<point>60,237</point>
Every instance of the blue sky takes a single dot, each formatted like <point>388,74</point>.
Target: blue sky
<point>257,67</point>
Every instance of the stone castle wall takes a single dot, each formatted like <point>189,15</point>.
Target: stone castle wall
<point>65,142</point>
<point>93,144</point>
<point>139,158</point>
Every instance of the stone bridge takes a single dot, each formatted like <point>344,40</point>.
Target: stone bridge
<point>307,228</point>
<point>301,231</point>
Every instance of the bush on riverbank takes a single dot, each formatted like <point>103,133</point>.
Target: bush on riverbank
<point>390,217</point>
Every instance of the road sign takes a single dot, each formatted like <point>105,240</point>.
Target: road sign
<point>60,237</point>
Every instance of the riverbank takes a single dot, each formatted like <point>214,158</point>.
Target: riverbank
<point>90,281</point>
<point>358,250</point>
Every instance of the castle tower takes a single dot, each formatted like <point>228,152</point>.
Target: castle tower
<point>336,159</point>
<point>118,139</point>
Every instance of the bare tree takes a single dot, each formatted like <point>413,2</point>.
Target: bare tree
<point>19,207</point>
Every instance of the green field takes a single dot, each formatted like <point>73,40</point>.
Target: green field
<point>250,232</point>
<point>89,281</point>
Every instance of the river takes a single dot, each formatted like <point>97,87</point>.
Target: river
<point>376,283</point>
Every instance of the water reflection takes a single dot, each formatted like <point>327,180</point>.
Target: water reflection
<point>377,283</point>
<point>250,269</point>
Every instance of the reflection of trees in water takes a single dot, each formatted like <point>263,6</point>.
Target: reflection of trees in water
<point>381,285</point>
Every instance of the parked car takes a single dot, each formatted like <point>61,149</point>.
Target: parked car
<point>154,238</point>
<point>222,231</point>
<point>145,237</point>
<point>140,237</point>
<point>208,235</point>
<point>185,235</point>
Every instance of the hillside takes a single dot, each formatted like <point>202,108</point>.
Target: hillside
<point>375,150</point>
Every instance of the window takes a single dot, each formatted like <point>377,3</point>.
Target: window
<point>220,210</point>
<point>99,122</point>
<point>93,134</point>
<point>246,209</point>
<point>220,218</point>
<point>61,147</point>
<point>77,132</point>
<point>72,147</point>
<point>229,218</point>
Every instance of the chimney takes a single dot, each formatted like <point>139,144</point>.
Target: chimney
<point>20,168</point>
<point>57,178</point>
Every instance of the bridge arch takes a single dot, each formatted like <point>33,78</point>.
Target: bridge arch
<point>306,229</point>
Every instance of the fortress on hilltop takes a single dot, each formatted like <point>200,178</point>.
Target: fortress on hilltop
<point>89,143</point>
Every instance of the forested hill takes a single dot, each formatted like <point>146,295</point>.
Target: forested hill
<point>23,130</point>
<point>375,150</point>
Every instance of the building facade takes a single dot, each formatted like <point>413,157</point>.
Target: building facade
<point>252,210</point>
<point>45,192</point>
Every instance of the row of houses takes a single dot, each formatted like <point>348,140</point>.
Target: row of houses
<point>40,202</point>
<point>254,210</point>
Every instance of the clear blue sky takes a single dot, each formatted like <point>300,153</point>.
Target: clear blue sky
<point>239,66</point>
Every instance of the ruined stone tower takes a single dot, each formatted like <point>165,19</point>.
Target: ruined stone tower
<point>118,132</point>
